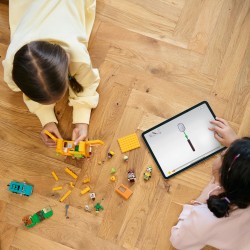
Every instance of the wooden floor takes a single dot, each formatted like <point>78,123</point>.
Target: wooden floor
<point>156,59</point>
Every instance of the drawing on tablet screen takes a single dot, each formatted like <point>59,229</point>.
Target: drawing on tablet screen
<point>182,129</point>
<point>155,132</point>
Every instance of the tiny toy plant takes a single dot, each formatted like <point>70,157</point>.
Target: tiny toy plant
<point>148,173</point>
<point>68,148</point>
<point>98,207</point>
<point>20,188</point>
<point>32,220</point>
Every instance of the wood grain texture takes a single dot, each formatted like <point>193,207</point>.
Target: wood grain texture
<point>156,59</point>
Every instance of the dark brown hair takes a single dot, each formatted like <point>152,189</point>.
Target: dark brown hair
<point>234,178</point>
<point>40,70</point>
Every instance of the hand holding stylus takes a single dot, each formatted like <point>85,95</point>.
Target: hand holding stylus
<point>223,132</point>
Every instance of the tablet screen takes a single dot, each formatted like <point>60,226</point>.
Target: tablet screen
<point>183,140</point>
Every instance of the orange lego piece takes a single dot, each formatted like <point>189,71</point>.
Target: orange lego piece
<point>124,191</point>
<point>129,142</point>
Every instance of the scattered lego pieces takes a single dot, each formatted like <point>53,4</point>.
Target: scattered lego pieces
<point>131,176</point>
<point>67,170</point>
<point>31,221</point>
<point>110,154</point>
<point>98,207</point>
<point>66,211</point>
<point>148,173</point>
<point>129,142</point>
<point>85,190</point>
<point>92,196</point>
<point>124,191</point>
<point>55,176</point>
<point>57,188</point>
<point>112,178</point>
<point>86,180</point>
<point>125,158</point>
<point>65,196</point>
<point>87,208</point>
<point>113,170</point>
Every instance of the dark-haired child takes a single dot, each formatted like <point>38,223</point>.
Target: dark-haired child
<point>48,57</point>
<point>220,216</point>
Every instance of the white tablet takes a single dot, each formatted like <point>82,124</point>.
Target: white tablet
<point>183,140</point>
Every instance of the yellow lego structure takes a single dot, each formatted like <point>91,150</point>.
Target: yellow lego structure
<point>83,149</point>
<point>57,188</point>
<point>129,142</point>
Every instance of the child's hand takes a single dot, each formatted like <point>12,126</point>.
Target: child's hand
<point>80,132</point>
<point>223,132</point>
<point>52,128</point>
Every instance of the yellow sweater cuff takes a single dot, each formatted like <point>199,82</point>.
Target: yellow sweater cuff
<point>81,114</point>
<point>46,114</point>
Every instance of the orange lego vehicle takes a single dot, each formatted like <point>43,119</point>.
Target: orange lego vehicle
<point>83,149</point>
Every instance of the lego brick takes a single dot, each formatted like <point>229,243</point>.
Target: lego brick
<point>129,142</point>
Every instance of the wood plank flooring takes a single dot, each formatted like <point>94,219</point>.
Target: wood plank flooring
<point>156,59</point>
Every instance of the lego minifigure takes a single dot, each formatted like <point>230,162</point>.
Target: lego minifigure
<point>131,175</point>
<point>148,173</point>
<point>110,154</point>
<point>92,196</point>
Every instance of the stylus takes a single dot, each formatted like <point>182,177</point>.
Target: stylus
<point>191,145</point>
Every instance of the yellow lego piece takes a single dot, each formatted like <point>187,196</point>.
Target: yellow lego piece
<point>86,180</point>
<point>65,196</point>
<point>67,170</point>
<point>71,184</point>
<point>57,188</point>
<point>85,190</point>
<point>54,175</point>
<point>112,178</point>
<point>129,142</point>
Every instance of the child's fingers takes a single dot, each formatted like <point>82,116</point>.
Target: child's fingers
<point>216,129</point>
<point>217,137</point>
<point>222,120</point>
<point>48,142</point>
<point>218,123</point>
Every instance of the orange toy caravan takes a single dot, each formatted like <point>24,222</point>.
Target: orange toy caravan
<point>83,149</point>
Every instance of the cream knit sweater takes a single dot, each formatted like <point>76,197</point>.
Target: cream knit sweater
<point>64,22</point>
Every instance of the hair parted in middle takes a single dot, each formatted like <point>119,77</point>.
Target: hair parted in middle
<point>40,70</point>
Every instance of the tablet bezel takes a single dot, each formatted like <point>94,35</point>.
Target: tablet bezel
<point>168,120</point>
